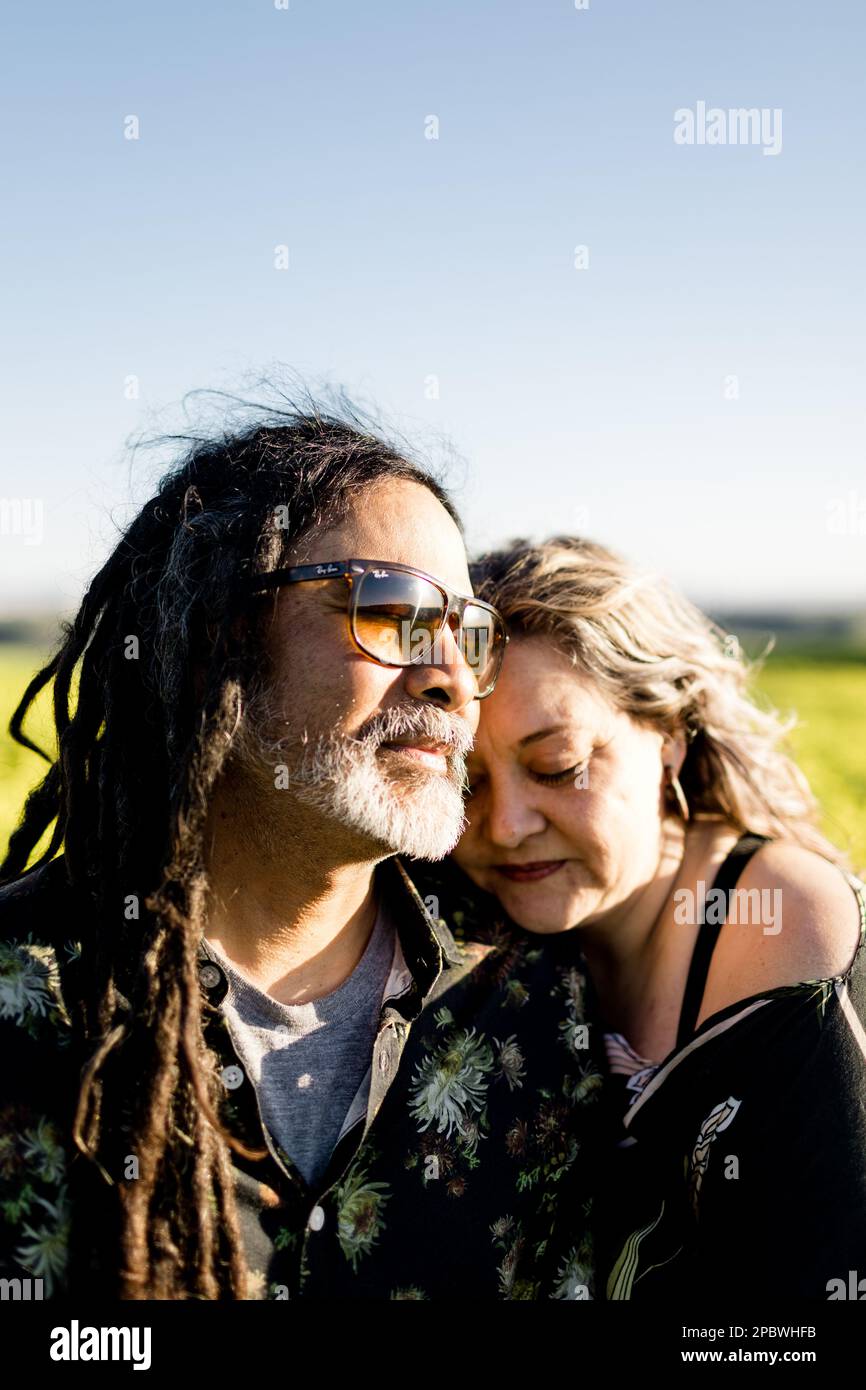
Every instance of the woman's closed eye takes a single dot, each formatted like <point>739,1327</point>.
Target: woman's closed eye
<point>547,779</point>
<point>559,779</point>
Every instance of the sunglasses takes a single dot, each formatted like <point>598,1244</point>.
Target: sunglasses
<point>397,615</point>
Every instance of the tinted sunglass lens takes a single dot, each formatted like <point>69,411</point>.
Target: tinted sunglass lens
<point>483,643</point>
<point>397,616</point>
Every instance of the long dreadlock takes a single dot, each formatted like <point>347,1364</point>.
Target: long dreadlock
<point>129,793</point>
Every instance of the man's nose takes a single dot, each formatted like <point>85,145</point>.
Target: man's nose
<point>447,680</point>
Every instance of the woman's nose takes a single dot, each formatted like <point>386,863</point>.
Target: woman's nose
<point>510,820</point>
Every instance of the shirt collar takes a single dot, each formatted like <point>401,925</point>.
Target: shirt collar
<point>425,946</point>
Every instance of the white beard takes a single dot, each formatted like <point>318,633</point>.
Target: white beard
<point>419,814</point>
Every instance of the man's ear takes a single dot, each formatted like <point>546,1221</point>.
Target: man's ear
<point>239,627</point>
<point>238,630</point>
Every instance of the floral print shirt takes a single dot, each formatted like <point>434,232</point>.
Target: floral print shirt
<point>465,1166</point>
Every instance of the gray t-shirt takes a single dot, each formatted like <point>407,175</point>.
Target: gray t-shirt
<point>307,1061</point>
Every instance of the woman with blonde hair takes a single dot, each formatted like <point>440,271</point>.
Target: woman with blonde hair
<point>625,786</point>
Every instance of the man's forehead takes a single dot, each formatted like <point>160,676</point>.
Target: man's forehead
<point>395,520</point>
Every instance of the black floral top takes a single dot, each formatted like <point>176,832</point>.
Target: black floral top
<point>737,1164</point>
<point>463,1170</point>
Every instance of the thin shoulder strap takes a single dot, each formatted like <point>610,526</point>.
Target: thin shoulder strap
<point>708,933</point>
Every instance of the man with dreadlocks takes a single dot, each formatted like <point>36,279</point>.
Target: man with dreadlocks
<point>250,1060</point>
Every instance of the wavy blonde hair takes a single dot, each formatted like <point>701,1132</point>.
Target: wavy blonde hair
<point>661,660</point>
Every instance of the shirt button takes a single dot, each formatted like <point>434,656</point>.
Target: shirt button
<point>232,1077</point>
<point>210,976</point>
<point>316,1219</point>
<point>384,1061</point>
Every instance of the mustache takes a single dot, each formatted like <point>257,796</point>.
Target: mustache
<point>426,721</point>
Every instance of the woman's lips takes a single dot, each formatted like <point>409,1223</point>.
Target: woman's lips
<point>529,873</point>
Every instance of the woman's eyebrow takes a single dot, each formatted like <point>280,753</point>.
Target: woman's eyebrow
<point>541,733</point>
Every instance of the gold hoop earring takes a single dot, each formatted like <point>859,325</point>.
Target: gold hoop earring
<point>679,796</point>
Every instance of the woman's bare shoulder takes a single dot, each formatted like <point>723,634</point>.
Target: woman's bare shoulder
<point>798,919</point>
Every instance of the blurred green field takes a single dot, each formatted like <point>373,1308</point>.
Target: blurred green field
<point>826,688</point>
<point>20,769</point>
<point>829,698</point>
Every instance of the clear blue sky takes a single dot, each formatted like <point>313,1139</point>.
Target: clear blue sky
<point>580,399</point>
